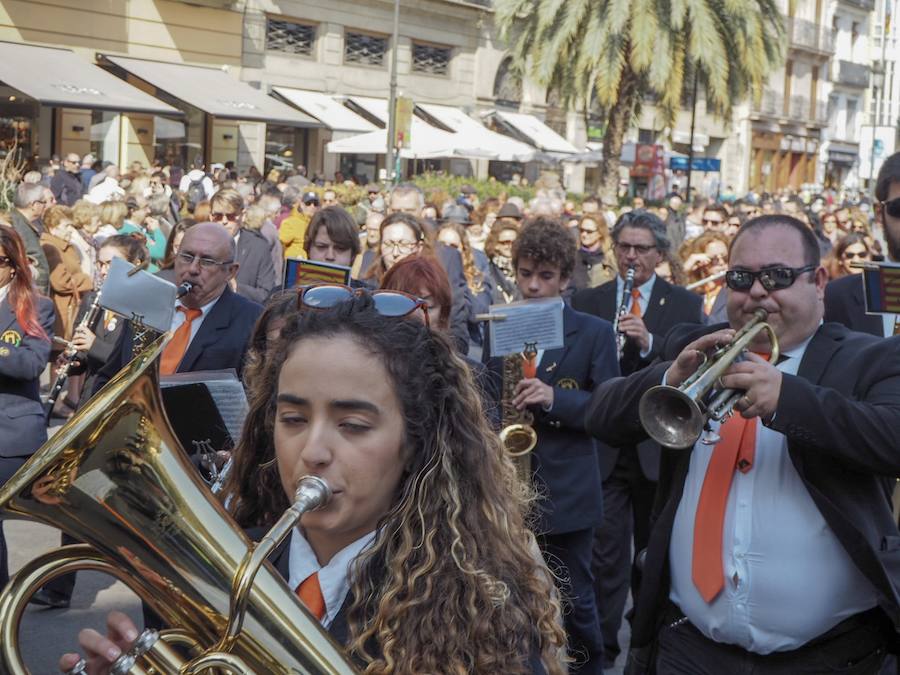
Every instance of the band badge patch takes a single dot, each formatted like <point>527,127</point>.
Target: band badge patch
<point>11,337</point>
<point>567,383</point>
<point>4,351</point>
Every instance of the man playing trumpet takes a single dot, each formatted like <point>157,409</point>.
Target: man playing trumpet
<point>773,550</point>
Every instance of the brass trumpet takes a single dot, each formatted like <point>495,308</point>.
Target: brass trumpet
<point>116,478</point>
<point>676,417</point>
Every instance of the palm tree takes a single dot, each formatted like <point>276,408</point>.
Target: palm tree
<point>622,50</point>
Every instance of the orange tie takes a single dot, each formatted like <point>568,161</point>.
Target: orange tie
<point>310,594</point>
<point>635,302</point>
<point>529,366</point>
<point>174,351</point>
<point>736,450</point>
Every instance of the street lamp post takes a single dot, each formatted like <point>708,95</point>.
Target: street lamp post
<point>690,169</point>
<point>392,99</point>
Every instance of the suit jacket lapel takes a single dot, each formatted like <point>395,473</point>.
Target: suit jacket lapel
<point>819,351</point>
<point>656,304</point>
<point>7,316</point>
<point>607,302</point>
<point>208,334</point>
<point>875,320</point>
<point>552,358</point>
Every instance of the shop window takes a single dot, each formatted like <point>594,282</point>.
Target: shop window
<point>364,49</point>
<point>290,37</point>
<point>431,59</point>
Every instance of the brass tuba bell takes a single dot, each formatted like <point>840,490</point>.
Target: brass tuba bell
<point>116,478</point>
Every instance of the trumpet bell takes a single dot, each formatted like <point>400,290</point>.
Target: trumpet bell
<point>670,417</point>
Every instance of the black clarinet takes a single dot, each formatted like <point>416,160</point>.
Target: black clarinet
<point>90,320</point>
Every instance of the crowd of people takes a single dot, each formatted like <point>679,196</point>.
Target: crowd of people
<point>392,378</point>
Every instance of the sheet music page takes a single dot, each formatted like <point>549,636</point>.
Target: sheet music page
<point>227,393</point>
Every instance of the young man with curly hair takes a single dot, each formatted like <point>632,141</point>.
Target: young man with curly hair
<point>564,466</point>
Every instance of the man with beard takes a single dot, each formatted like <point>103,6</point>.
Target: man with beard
<point>844,300</point>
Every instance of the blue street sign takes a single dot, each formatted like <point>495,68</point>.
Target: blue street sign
<point>699,164</point>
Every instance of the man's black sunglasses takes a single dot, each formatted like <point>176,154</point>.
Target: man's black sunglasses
<point>892,207</point>
<point>771,278</point>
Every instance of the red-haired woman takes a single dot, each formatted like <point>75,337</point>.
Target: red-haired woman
<point>423,276</point>
<point>26,329</point>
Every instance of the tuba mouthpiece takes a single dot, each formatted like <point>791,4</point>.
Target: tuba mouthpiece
<point>312,493</point>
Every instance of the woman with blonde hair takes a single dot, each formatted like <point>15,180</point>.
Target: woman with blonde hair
<point>704,258</point>
<point>422,562</point>
<point>112,219</point>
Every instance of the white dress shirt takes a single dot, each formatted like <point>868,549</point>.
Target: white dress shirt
<point>787,577</point>
<point>180,317</point>
<point>888,322</point>
<point>334,578</point>
<point>645,289</point>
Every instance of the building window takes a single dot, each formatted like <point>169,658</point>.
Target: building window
<point>507,85</point>
<point>290,37</point>
<point>431,59</point>
<point>852,107</point>
<point>364,50</point>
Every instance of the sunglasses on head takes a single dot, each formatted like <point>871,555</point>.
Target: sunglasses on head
<point>395,304</point>
<point>771,278</point>
<point>892,207</point>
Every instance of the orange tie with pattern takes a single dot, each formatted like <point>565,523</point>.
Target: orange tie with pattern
<point>310,594</point>
<point>635,302</point>
<point>174,351</point>
<point>736,450</point>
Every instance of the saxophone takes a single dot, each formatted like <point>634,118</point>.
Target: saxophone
<point>517,435</point>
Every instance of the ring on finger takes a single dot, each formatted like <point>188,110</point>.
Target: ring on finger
<point>746,401</point>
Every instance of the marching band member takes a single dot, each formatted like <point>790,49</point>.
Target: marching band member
<point>564,461</point>
<point>26,329</point>
<point>421,562</point>
<point>629,473</point>
<point>775,550</point>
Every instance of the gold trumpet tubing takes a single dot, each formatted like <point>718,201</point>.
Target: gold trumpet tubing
<point>116,478</point>
<point>723,404</point>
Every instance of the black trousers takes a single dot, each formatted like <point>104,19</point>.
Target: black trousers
<point>569,556</point>
<point>627,502</point>
<point>62,586</point>
<point>856,646</point>
<point>8,468</point>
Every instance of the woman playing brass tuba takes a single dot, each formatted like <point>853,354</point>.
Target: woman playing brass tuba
<point>422,559</point>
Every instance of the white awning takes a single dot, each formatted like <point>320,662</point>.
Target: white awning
<point>504,148</point>
<point>214,91</point>
<point>376,107</point>
<point>427,142</point>
<point>59,77</point>
<point>538,133</point>
<point>324,108</point>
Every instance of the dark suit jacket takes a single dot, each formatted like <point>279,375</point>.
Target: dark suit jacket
<point>668,306</point>
<point>339,630</point>
<point>220,343</point>
<point>31,238</point>
<point>564,462</point>
<point>256,275</point>
<point>22,360</point>
<point>845,304</point>
<point>841,415</point>
<point>461,310</point>
<point>92,361</point>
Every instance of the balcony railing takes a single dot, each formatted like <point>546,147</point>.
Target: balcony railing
<point>851,74</point>
<point>809,36</point>
<point>799,108</point>
<point>867,5</point>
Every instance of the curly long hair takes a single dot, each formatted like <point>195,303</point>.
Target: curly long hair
<point>453,557</point>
